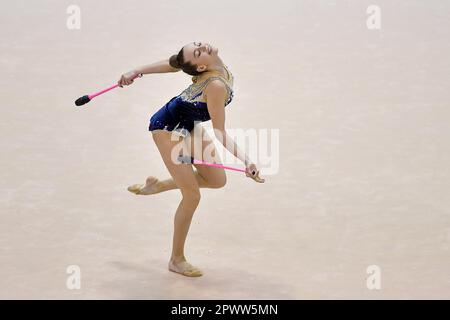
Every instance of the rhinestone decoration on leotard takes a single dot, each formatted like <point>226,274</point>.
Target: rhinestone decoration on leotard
<point>194,92</point>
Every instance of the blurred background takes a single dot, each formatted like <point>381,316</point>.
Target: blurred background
<point>363,173</point>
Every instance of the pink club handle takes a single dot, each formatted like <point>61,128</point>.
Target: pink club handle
<point>217,165</point>
<point>91,96</point>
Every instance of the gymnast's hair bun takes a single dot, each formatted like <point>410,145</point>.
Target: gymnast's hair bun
<point>173,61</point>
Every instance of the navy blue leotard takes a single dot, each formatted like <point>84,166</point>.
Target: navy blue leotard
<point>183,111</point>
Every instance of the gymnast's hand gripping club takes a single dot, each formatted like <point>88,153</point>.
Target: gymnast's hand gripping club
<point>85,99</point>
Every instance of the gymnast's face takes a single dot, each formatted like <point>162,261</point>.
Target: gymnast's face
<point>201,54</point>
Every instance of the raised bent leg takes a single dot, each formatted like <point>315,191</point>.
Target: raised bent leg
<point>206,177</point>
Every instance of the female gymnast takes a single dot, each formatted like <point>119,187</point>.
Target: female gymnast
<point>205,99</point>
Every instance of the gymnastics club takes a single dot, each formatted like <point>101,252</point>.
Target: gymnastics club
<point>85,99</point>
<point>191,160</point>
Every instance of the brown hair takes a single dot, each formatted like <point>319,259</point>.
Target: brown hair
<point>177,61</point>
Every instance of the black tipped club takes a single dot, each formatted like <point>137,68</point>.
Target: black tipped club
<point>82,100</point>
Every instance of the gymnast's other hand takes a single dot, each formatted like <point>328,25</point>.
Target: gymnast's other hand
<point>127,78</point>
<point>253,172</point>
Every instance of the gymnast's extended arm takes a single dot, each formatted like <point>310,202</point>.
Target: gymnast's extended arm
<point>162,66</point>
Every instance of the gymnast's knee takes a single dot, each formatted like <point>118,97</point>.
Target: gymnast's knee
<point>191,194</point>
<point>219,183</point>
